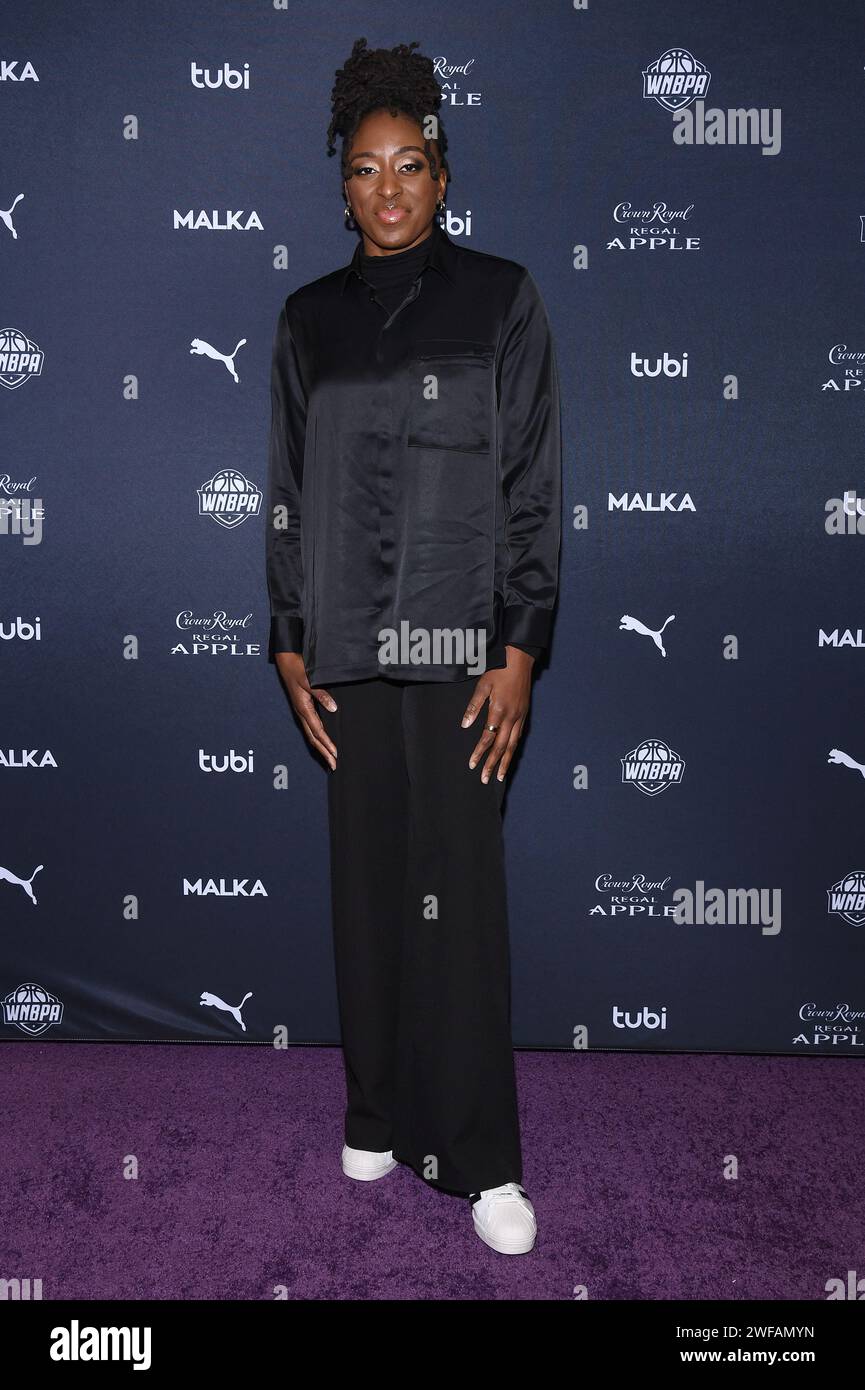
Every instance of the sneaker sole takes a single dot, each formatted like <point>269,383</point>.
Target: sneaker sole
<point>366,1176</point>
<point>517,1249</point>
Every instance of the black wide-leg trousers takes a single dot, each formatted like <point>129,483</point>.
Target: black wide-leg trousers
<point>421,934</point>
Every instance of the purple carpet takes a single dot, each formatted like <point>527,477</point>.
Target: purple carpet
<point>240,1188</point>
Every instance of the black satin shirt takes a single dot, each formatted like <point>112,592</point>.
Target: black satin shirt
<point>414,470</point>
<point>392,277</point>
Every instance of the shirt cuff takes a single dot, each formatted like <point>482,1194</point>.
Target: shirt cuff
<point>286,635</point>
<point>523,622</point>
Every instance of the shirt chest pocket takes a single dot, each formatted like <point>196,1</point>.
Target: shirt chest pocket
<point>451,393</point>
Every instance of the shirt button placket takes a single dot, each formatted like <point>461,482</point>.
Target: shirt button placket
<point>383,406</point>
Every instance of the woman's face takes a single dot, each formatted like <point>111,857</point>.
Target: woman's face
<point>392,196</point>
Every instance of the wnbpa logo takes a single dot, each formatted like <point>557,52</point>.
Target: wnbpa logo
<point>228,497</point>
<point>19,358</point>
<point>847,898</point>
<point>32,1009</point>
<point>675,78</point>
<point>652,766</point>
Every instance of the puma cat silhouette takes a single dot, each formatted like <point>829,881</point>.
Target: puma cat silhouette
<point>6,216</point>
<point>213,1001</point>
<point>836,756</point>
<point>202,349</point>
<point>7,876</point>
<point>629,624</point>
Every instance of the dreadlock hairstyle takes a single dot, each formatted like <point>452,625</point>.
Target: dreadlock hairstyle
<point>392,78</point>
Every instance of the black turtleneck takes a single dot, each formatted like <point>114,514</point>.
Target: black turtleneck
<point>391,277</point>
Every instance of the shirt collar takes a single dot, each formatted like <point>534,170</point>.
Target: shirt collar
<point>442,256</point>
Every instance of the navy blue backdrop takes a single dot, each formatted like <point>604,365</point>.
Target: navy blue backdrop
<point>703,271</point>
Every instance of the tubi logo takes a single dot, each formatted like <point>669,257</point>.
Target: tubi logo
<point>225,76</point>
<point>644,1018</point>
<point>670,366</point>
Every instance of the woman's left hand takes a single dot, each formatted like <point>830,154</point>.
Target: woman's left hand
<point>509,692</point>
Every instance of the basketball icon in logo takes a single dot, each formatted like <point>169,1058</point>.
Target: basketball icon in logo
<point>19,358</point>
<point>228,497</point>
<point>847,898</point>
<point>30,994</point>
<point>675,79</point>
<point>654,749</point>
<point>228,481</point>
<point>652,766</point>
<point>32,1009</point>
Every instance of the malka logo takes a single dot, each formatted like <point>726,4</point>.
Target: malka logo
<point>229,498</point>
<point>847,898</point>
<point>216,887</point>
<point>19,358</point>
<point>646,502</point>
<point>32,1009</point>
<point>652,766</point>
<point>675,79</point>
<point>8,74</point>
<point>217,220</point>
<point>26,757</point>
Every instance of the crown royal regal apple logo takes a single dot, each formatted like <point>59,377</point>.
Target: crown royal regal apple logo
<point>652,766</point>
<point>675,79</point>
<point>228,497</point>
<point>19,358</point>
<point>32,1009</point>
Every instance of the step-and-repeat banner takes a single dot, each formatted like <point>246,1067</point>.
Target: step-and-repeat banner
<point>686,822</point>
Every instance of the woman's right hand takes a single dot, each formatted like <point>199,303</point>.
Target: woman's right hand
<point>303,697</point>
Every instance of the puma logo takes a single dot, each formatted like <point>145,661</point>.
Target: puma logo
<point>7,876</point>
<point>213,1001</point>
<point>836,756</point>
<point>6,217</point>
<point>629,624</point>
<point>203,349</point>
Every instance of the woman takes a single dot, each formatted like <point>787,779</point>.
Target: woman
<point>412,556</point>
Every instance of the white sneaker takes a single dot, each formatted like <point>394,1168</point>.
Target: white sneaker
<point>364,1165</point>
<point>505,1219</point>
